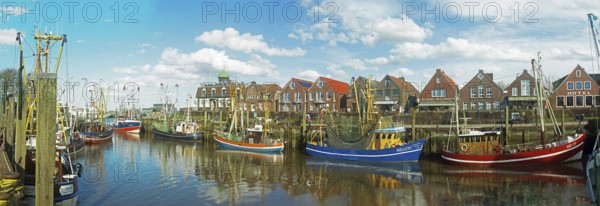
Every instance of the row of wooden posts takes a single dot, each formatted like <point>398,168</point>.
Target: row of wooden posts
<point>14,122</point>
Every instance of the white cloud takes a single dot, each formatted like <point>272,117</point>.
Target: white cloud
<point>456,48</point>
<point>13,10</point>
<point>363,21</point>
<point>378,60</point>
<point>402,72</point>
<point>356,64</point>
<point>8,36</point>
<point>309,74</point>
<point>230,38</point>
<point>334,69</point>
<point>132,69</point>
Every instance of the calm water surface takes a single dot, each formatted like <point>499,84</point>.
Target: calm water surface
<point>140,170</point>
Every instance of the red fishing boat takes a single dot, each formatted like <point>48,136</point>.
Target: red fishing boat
<point>490,149</point>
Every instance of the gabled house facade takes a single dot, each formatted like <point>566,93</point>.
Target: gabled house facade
<point>293,95</point>
<point>327,93</point>
<point>392,93</point>
<point>361,83</point>
<point>521,93</point>
<point>481,93</point>
<point>439,92</point>
<point>261,96</point>
<point>576,90</point>
<point>216,96</point>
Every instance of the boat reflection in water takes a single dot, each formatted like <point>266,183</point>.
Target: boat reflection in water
<point>367,183</point>
<point>548,185</point>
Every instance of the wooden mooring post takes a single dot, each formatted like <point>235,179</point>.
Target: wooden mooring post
<point>45,139</point>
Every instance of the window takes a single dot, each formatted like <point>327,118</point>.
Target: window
<point>328,95</point>
<point>515,91</point>
<point>525,87</point>
<point>311,96</point>
<point>299,96</point>
<point>597,100</point>
<point>570,85</point>
<point>569,101</point>
<point>465,106</point>
<point>213,92</point>
<point>488,92</point>
<point>387,83</point>
<point>320,83</point>
<point>488,106</point>
<point>379,93</point>
<point>480,91</point>
<point>589,101</point>
<point>320,96</point>
<point>579,101</point>
<point>587,85</point>
<point>473,92</point>
<point>438,93</point>
<point>560,101</point>
<point>286,97</point>
<point>223,92</point>
<point>438,80</point>
<point>481,105</point>
<point>473,104</point>
<point>388,92</point>
<point>396,92</point>
<point>203,92</point>
<point>578,73</point>
<point>578,86</point>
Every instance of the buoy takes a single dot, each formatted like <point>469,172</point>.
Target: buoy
<point>464,147</point>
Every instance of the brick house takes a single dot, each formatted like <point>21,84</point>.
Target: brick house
<point>216,96</point>
<point>481,93</point>
<point>392,93</point>
<point>361,83</point>
<point>439,92</point>
<point>521,93</point>
<point>257,94</point>
<point>578,89</point>
<point>327,93</point>
<point>293,95</point>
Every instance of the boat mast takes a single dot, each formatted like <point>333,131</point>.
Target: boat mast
<point>539,88</point>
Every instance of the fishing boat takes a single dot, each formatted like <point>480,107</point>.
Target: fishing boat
<point>75,143</point>
<point>127,125</point>
<point>489,148</point>
<point>185,130</point>
<point>256,139</point>
<point>97,131</point>
<point>371,143</point>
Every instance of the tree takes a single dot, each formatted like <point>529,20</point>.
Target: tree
<point>8,78</point>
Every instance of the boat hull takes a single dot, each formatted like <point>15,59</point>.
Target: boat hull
<point>234,145</point>
<point>65,193</point>
<point>557,154</point>
<point>179,137</point>
<point>406,153</point>
<point>98,137</point>
<point>76,146</point>
<point>133,129</point>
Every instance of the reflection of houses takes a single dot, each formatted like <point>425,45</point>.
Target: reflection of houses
<point>257,94</point>
<point>327,93</point>
<point>439,93</point>
<point>521,92</point>
<point>216,96</point>
<point>361,83</point>
<point>392,93</point>
<point>293,95</point>
<point>481,93</point>
<point>576,90</point>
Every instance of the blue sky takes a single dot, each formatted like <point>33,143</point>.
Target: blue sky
<point>153,42</point>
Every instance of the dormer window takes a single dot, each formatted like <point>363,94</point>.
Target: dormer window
<point>223,92</point>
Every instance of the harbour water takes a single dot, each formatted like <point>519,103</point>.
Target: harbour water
<point>137,169</point>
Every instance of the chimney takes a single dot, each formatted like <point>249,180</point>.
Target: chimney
<point>481,71</point>
<point>524,71</point>
<point>438,70</point>
<point>490,75</point>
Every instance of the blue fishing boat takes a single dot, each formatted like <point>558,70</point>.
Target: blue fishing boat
<point>408,152</point>
<point>366,140</point>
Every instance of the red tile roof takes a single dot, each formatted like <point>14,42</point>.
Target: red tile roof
<point>338,86</point>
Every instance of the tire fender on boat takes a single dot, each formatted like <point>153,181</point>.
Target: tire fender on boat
<point>464,147</point>
<point>498,149</point>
